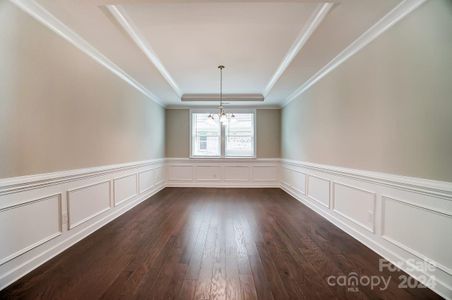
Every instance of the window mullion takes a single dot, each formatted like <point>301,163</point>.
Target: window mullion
<point>223,139</point>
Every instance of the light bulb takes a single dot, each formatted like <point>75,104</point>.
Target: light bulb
<point>223,118</point>
<point>233,119</point>
<point>210,120</point>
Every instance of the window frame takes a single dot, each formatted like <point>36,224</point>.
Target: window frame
<point>222,133</point>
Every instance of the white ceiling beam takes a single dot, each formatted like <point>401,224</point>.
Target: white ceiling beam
<point>36,11</point>
<point>396,14</point>
<point>132,30</point>
<point>311,25</point>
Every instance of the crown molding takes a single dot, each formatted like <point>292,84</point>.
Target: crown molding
<point>38,12</point>
<point>215,106</point>
<point>226,97</point>
<point>403,9</point>
<point>311,25</point>
<point>132,30</point>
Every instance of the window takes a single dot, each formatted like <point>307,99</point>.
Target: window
<point>233,139</point>
<point>203,142</point>
<point>239,136</point>
<point>206,135</point>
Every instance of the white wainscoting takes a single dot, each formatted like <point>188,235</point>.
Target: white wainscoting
<point>400,218</point>
<point>228,172</point>
<point>86,202</point>
<point>125,188</point>
<point>403,219</point>
<point>44,214</point>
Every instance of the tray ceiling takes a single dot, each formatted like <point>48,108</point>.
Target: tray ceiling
<point>173,48</point>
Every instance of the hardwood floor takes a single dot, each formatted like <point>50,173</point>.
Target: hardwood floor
<point>193,243</point>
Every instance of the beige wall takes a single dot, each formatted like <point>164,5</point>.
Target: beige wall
<point>177,136</point>
<point>59,109</point>
<point>388,108</point>
<point>267,133</point>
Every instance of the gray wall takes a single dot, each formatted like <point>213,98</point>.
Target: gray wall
<point>267,133</point>
<point>388,108</point>
<point>59,109</point>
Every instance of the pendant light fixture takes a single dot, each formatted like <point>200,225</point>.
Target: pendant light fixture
<point>222,115</point>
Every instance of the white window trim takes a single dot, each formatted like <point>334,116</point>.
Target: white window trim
<point>222,133</point>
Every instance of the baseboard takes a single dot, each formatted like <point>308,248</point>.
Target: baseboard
<point>391,215</point>
<point>220,184</point>
<point>68,206</point>
<point>31,264</point>
<point>382,211</point>
<point>186,172</point>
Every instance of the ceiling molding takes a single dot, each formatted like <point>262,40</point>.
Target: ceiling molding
<point>396,14</point>
<point>46,18</point>
<point>311,25</point>
<point>132,30</point>
<point>215,106</point>
<point>226,97</point>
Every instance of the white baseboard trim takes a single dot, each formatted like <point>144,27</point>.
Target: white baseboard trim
<point>68,206</point>
<point>221,185</point>
<point>34,262</point>
<point>392,215</point>
<point>227,172</point>
<point>442,289</point>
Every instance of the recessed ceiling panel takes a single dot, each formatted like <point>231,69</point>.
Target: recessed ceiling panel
<point>191,39</point>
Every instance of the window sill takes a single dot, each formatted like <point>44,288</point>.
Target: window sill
<point>224,157</point>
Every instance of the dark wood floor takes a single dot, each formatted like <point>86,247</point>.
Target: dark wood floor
<point>190,243</point>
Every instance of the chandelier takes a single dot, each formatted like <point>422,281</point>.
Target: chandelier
<point>222,115</point>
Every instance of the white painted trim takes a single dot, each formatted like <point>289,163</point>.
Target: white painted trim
<point>132,30</point>
<point>228,97</point>
<point>215,106</point>
<point>222,132</point>
<point>45,239</point>
<point>434,196</point>
<point>308,195</point>
<point>191,166</point>
<point>384,198</point>
<point>22,183</point>
<point>398,13</point>
<point>438,188</point>
<point>427,195</point>
<point>34,262</point>
<point>311,25</point>
<point>35,10</point>
<point>374,200</point>
<point>137,178</point>
<point>442,288</point>
<point>86,219</point>
<point>228,160</point>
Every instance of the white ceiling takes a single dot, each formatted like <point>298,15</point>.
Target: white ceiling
<point>174,47</point>
<point>192,39</point>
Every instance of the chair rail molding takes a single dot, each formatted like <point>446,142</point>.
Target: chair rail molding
<point>222,172</point>
<point>68,206</point>
<point>380,210</point>
<point>393,215</point>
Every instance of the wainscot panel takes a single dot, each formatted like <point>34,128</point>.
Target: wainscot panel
<point>406,220</point>
<point>227,172</point>
<point>42,215</point>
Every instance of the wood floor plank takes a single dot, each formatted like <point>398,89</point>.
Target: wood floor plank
<point>206,243</point>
